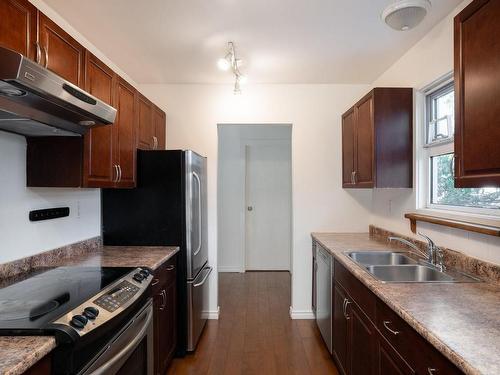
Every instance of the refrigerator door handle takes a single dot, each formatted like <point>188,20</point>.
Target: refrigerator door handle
<point>198,181</point>
<point>204,278</point>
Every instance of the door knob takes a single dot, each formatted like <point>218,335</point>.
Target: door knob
<point>250,208</point>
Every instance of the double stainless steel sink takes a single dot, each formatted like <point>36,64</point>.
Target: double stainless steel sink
<point>397,267</point>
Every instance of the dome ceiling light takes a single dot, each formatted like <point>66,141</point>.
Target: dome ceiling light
<point>230,61</point>
<point>404,15</point>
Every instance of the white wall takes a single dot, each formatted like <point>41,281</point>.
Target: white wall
<point>319,202</point>
<point>231,188</point>
<point>18,236</point>
<point>429,59</point>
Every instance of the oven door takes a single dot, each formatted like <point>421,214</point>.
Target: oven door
<point>130,351</point>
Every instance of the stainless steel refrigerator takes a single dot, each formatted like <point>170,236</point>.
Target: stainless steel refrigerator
<point>168,208</point>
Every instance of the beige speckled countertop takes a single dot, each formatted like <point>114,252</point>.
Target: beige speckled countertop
<point>19,353</point>
<point>462,320</point>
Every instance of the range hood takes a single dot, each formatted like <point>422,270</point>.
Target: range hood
<point>36,102</point>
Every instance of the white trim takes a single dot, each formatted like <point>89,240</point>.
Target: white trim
<point>230,269</point>
<point>214,314</point>
<point>301,314</point>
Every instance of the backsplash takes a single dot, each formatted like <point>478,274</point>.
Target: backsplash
<point>453,259</point>
<point>20,266</point>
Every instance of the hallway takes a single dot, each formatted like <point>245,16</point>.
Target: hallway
<point>255,334</point>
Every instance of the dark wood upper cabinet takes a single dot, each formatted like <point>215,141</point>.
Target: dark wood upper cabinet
<point>125,130</point>
<point>477,89</point>
<point>145,140</point>
<point>98,167</point>
<point>348,148</point>
<point>160,128</point>
<point>61,53</point>
<point>377,140</point>
<point>18,27</point>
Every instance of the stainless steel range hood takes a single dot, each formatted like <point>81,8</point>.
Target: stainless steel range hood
<point>36,102</point>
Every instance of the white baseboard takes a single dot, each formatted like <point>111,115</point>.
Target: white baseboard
<point>214,315</point>
<point>229,269</point>
<point>301,314</point>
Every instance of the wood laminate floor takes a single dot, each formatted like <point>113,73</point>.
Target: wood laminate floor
<point>254,334</point>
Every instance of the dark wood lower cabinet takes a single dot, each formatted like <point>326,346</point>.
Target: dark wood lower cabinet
<point>362,342</point>
<point>389,362</point>
<point>42,367</point>
<point>369,338</point>
<point>165,317</point>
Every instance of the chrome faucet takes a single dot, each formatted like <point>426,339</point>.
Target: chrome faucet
<point>433,256</point>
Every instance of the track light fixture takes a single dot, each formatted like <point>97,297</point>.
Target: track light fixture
<point>230,61</point>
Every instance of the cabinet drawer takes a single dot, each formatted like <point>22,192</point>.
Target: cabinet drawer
<point>363,297</point>
<point>417,351</point>
<point>164,275</point>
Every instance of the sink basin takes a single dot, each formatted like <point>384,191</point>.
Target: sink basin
<point>367,258</point>
<point>414,273</point>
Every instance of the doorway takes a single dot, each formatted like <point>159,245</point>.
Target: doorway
<point>254,197</point>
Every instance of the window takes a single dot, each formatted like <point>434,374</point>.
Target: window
<point>438,159</point>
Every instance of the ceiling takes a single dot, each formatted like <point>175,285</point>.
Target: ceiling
<point>280,41</point>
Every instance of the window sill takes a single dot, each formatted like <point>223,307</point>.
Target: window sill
<point>473,223</point>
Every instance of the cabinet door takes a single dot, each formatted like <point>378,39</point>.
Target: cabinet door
<point>146,129</point>
<point>124,130</point>
<point>389,361</point>
<point>477,89</point>
<point>165,335</point>
<point>364,160</point>
<point>348,148</point>
<point>361,342</point>
<point>98,170</point>
<point>18,27</point>
<point>160,128</point>
<point>60,52</point>
<point>340,329</point>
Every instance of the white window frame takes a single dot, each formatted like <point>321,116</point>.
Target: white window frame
<point>424,152</point>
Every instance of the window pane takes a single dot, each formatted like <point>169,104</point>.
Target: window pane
<point>443,192</point>
<point>445,105</point>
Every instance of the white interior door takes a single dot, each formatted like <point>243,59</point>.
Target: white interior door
<point>268,205</point>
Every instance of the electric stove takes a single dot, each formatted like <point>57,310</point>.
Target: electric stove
<point>83,307</point>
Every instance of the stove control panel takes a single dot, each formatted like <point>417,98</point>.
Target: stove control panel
<point>109,302</point>
<point>118,296</point>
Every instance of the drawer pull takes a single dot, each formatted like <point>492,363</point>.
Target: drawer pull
<point>155,281</point>
<point>170,268</point>
<point>431,371</point>
<point>386,326</point>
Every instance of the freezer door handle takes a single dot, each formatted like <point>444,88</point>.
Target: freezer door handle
<point>204,277</point>
<point>197,178</point>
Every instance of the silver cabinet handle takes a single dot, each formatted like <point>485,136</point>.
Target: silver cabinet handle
<point>46,57</point>
<point>120,173</point>
<point>163,299</point>
<point>386,326</point>
<point>38,52</point>
<point>354,177</point>
<point>343,306</point>
<point>198,181</point>
<point>431,371</point>
<point>170,268</point>
<point>155,281</point>
<point>347,302</point>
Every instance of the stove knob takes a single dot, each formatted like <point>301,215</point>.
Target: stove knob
<point>144,272</point>
<point>78,321</point>
<point>93,310</point>
<point>138,277</point>
<point>90,313</point>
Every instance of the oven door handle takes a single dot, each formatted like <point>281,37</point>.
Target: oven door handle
<point>128,348</point>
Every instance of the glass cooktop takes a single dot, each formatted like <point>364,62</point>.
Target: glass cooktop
<point>46,294</point>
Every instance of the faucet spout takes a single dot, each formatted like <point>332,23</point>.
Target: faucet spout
<point>416,251</point>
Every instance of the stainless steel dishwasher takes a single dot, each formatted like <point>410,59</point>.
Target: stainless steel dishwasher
<point>324,278</point>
